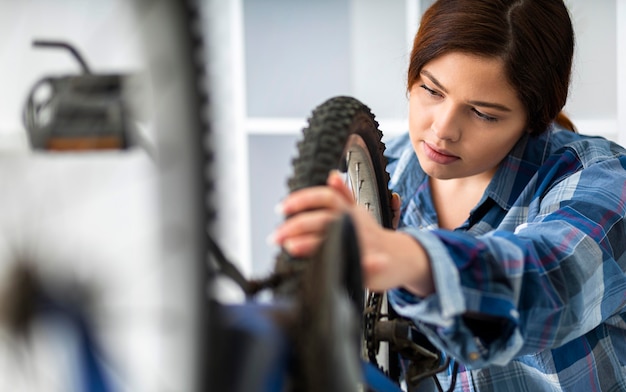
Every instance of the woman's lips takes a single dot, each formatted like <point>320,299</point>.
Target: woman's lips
<point>439,156</point>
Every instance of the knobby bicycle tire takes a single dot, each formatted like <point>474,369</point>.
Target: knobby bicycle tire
<point>325,143</point>
<point>337,129</point>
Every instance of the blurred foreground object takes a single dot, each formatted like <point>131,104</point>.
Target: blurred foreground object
<point>77,112</point>
<point>46,323</point>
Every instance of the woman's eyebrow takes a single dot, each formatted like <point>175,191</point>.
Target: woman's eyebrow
<point>484,104</point>
<point>490,105</point>
<point>434,80</point>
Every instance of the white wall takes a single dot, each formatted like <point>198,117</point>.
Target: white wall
<point>594,90</point>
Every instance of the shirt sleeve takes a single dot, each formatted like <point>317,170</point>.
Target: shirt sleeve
<point>556,277</point>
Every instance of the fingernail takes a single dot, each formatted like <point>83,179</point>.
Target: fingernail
<point>288,245</point>
<point>279,209</point>
<point>271,239</point>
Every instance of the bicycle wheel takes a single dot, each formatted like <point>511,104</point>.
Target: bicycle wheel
<point>342,134</point>
<point>173,44</point>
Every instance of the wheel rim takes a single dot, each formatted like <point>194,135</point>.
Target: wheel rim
<point>360,175</point>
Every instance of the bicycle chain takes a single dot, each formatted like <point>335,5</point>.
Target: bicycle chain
<point>371,315</point>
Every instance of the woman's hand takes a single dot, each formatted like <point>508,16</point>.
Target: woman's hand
<point>309,212</point>
<point>388,258</point>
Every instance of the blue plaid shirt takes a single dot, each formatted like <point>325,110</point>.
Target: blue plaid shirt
<point>530,290</point>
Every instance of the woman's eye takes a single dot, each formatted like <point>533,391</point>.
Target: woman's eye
<point>484,116</point>
<point>430,91</point>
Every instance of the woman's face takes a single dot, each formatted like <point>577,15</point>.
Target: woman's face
<point>464,116</point>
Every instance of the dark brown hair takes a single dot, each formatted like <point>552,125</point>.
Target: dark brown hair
<point>534,38</point>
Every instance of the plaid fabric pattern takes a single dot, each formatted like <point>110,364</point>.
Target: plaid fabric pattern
<point>530,290</point>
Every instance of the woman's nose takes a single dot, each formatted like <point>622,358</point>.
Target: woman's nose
<point>446,125</point>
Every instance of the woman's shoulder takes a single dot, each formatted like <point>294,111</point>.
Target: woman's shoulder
<point>402,165</point>
<point>399,153</point>
<point>588,148</point>
<point>396,145</point>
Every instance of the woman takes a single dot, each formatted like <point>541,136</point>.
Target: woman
<point>511,244</point>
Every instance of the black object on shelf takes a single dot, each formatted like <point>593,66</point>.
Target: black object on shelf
<point>77,112</point>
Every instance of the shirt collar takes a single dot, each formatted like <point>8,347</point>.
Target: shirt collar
<point>517,168</point>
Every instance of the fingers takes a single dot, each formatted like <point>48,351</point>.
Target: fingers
<point>396,204</point>
<point>309,213</point>
<point>336,181</point>
<point>311,223</point>
<point>302,246</point>
<point>320,197</point>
